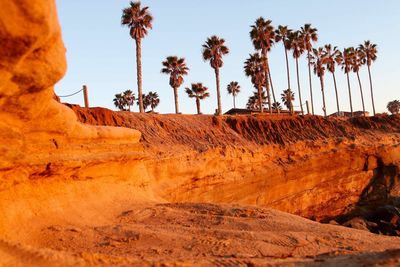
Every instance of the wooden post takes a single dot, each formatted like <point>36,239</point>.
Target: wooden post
<point>85,96</point>
<point>308,107</point>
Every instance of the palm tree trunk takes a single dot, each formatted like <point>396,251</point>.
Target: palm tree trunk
<point>176,100</point>
<point>139,73</point>
<point>351,102</point>
<point>259,91</point>
<point>272,86</point>
<point>309,78</point>
<point>234,101</point>
<point>361,91</point>
<point>198,105</point>
<point>287,69</point>
<point>337,96</point>
<point>372,93</point>
<point>264,52</point>
<point>219,112</point>
<point>321,78</point>
<point>298,85</point>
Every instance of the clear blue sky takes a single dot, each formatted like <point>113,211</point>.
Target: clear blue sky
<point>101,54</point>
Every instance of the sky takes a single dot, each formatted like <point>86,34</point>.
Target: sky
<point>101,53</point>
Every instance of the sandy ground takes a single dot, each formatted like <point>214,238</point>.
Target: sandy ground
<point>203,235</point>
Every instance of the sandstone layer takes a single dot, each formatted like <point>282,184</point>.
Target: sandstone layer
<point>73,194</point>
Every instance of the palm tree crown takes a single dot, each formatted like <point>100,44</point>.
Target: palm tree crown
<point>318,60</point>
<point>254,68</point>
<point>198,90</point>
<point>287,98</point>
<point>176,68</point>
<point>138,19</point>
<point>262,34</point>
<point>309,35</point>
<point>331,57</point>
<point>233,88</point>
<point>152,99</point>
<point>213,50</point>
<point>282,34</point>
<point>370,51</point>
<point>296,44</point>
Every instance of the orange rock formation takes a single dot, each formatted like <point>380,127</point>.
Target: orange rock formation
<point>73,194</point>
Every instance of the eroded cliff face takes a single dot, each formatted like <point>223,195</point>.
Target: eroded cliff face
<point>314,167</point>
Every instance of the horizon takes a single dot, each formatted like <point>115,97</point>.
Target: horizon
<point>101,53</point>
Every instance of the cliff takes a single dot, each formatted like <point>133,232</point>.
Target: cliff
<point>310,166</point>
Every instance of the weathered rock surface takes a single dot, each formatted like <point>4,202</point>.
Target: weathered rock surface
<point>73,194</point>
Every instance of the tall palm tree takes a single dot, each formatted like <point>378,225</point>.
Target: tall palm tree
<point>330,62</point>
<point>287,98</point>
<point>199,92</point>
<point>317,60</point>
<point>153,100</point>
<point>282,34</point>
<point>233,89</point>
<point>254,68</point>
<point>175,67</point>
<point>213,50</point>
<point>119,102</point>
<point>309,35</point>
<point>139,21</point>
<point>370,51</point>
<point>262,35</point>
<point>346,59</point>
<point>297,45</point>
<point>356,63</point>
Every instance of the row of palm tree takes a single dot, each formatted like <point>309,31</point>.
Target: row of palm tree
<point>263,36</point>
<point>124,101</point>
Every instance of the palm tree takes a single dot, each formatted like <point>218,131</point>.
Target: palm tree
<point>129,98</point>
<point>331,55</point>
<point>309,35</point>
<point>254,68</point>
<point>287,98</point>
<point>262,35</point>
<point>356,63</point>
<point>233,89</point>
<point>282,34</point>
<point>394,107</point>
<point>318,61</point>
<point>370,51</point>
<point>176,68</point>
<point>139,21</point>
<point>213,50</point>
<point>297,45</point>
<point>153,100</point>
<point>199,92</point>
<point>346,59</point>
<point>119,102</point>
<point>254,104</point>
